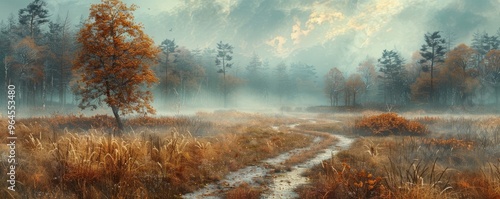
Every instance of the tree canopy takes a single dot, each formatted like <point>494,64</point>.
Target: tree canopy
<point>113,64</point>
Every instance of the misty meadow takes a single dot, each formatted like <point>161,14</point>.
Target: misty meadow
<point>250,99</point>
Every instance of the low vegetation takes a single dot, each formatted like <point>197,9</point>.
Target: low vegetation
<point>165,161</point>
<point>459,159</point>
<point>159,157</point>
<point>389,124</point>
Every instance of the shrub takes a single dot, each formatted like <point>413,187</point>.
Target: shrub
<point>389,123</point>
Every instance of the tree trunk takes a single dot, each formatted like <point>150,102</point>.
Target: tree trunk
<point>117,117</point>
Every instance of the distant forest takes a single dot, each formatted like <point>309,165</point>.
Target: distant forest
<point>38,55</point>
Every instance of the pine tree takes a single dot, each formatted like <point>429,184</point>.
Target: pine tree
<point>432,52</point>
<point>224,56</point>
<point>33,16</point>
<point>391,65</point>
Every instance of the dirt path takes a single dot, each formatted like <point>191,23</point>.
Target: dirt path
<point>283,185</point>
<point>280,184</point>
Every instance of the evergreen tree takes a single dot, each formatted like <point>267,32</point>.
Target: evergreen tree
<point>223,58</point>
<point>432,52</point>
<point>391,65</point>
<point>34,15</point>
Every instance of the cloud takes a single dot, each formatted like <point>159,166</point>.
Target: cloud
<point>277,43</point>
<point>315,19</point>
<point>319,32</point>
<point>369,19</point>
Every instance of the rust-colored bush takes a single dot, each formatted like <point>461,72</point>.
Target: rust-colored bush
<point>389,123</point>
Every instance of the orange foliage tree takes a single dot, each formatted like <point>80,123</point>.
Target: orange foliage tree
<point>354,85</point>
<point>458,75</point>
<point>334,85</point>
<point>26,62</point>
<point>369,75</point>
<point>113,63</point>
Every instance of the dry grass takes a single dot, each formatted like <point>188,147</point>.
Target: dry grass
<point>333,179</point>
<point>164,161</point>
<point>244,191</point>
<point>327,140</point>
<point>460,162</point>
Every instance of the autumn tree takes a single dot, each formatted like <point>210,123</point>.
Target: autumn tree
<point>353,86</point>
<point>26,63</point>
<point>369,75</point>
<point>458,75</point>
<point>113,64</point>
<point>432,52</point>
<point>186,74</point>
<point>420,80</point>
<point>334,85</point>
<point>34,15</point>
<point>421,87</point>
<point>223,58</point>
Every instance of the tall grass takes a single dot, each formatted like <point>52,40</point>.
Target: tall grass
<point>156,158</point>
<point>458,159</point>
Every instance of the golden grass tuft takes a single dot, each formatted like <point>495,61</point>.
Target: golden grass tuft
<point>460,162</point>
<point>244,191</point>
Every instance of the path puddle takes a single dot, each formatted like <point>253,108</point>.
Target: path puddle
<point>282,185</point>
<point>252,175</point>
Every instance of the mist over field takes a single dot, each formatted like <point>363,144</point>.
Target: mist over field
<point>250,99</point>
<point>307,38</point>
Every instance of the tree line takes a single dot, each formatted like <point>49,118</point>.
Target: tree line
<point>107,59</point>
<point>436,75</point>
<point>44,59</point>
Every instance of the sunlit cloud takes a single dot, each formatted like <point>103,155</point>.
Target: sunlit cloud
<point>369,19</point>
<point>277,43</point>
<point>315,19</point>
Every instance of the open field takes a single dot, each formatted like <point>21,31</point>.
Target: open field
<point>229,154</point>
<point>458,157</point>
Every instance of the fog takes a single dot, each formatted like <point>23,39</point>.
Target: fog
<point>322,33</point>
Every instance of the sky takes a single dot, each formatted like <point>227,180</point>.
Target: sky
<point>323,33</point>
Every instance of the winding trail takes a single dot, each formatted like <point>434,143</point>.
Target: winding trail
<point>283,183</point>
<point>283,186</point>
